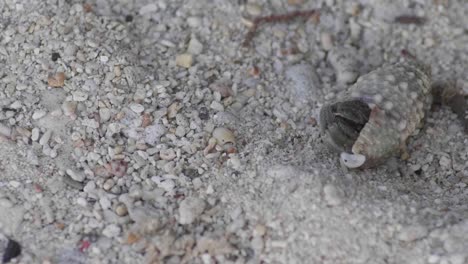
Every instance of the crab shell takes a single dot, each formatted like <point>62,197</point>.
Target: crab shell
<point>399,96</point>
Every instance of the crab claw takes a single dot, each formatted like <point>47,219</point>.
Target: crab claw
<point>352,161</point>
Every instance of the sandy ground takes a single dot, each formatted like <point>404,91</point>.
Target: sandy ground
<point>166,141</point>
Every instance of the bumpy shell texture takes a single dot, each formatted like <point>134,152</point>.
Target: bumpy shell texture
<point>377,114</point>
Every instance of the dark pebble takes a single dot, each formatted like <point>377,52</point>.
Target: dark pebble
<point>55,56</point>
<point>128,18</point>
<point>12,250</point>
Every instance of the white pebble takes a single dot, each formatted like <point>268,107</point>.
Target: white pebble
<point>111,231</point>
<point>38,114</point>
<point>77,176</point>
<point>190,209</point>
<point>327,41</point>
<point>15,184</point>
<point>104,59</point>
<point>217,106</point>
<point>445,161</point>
<point>137,108</point>
<point>45,138</point>
<point>79,96</point>
<point>104,114</point>
<point>195,47</point>
<point>104,202</point>
<point>147,9</point>
<point>184,60</point>
<point>194,21</point>
<point>5,130</point>
<point>154,133</point>
<point>81,201</point>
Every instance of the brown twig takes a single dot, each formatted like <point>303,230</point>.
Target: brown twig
<point>276,19</point>
<point>408,19</point>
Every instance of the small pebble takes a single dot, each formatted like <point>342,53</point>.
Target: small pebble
<point>69,108</point>
<point>5,130</point>
<point>38,114</point>
<point>253,9</point>
<point>190,209</point>
<point>195,47</point>
<point>184,60</point>
<point>121,210</point>
<point>111,231</point>
<point>327,41</point>
<point>194,22</point>
<point>9,248</point>
<point>77,176</point>
<point>137,108</point>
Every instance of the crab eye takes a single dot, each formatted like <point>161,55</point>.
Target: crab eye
<point>352,160</point>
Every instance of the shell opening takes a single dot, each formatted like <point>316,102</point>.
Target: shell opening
<point>352,161</point>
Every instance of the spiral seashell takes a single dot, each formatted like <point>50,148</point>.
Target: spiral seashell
<point>372,120</point>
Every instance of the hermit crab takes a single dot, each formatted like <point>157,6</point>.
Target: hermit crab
<point>374,118</point>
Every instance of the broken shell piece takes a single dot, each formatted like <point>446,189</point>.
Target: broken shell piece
<point>223,136</point>
<point>352,161</point>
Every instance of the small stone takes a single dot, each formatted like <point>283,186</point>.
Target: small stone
<point>15,184</point>
<point>81,202</point>
<point>56,80</point>
<point>90,187</point>
<point>45,138</point>
<point>167,154</point>
<point>55,56</point>
<point>217,106</point>
<point>253,9</point>
<point>137,108</point>
<point>327,41</point>
<point>194,46</point>
<point>104,114</point>
<point>10,221</point>
<point>111,231</point>
<point>79,96</point>
<point>121,209</point>
<point>77,176</point>
<point>108,184</point>
<point>9,249</point>
<point>190,209</point>
<point>104,59</point>
<point>69,108</point>
<point>345,63</point>
<point>5,130</point>
<point>38,114</point>
<point>304,80</point>
<point>259,230</point>
<point>412,233</point>
<point>184,60</point>
<point>147,9</point>
<point>333,196</point>
<point>104,202</point>
<point>154,133</point>
<point>445,161</point>
<point>194,21</point>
